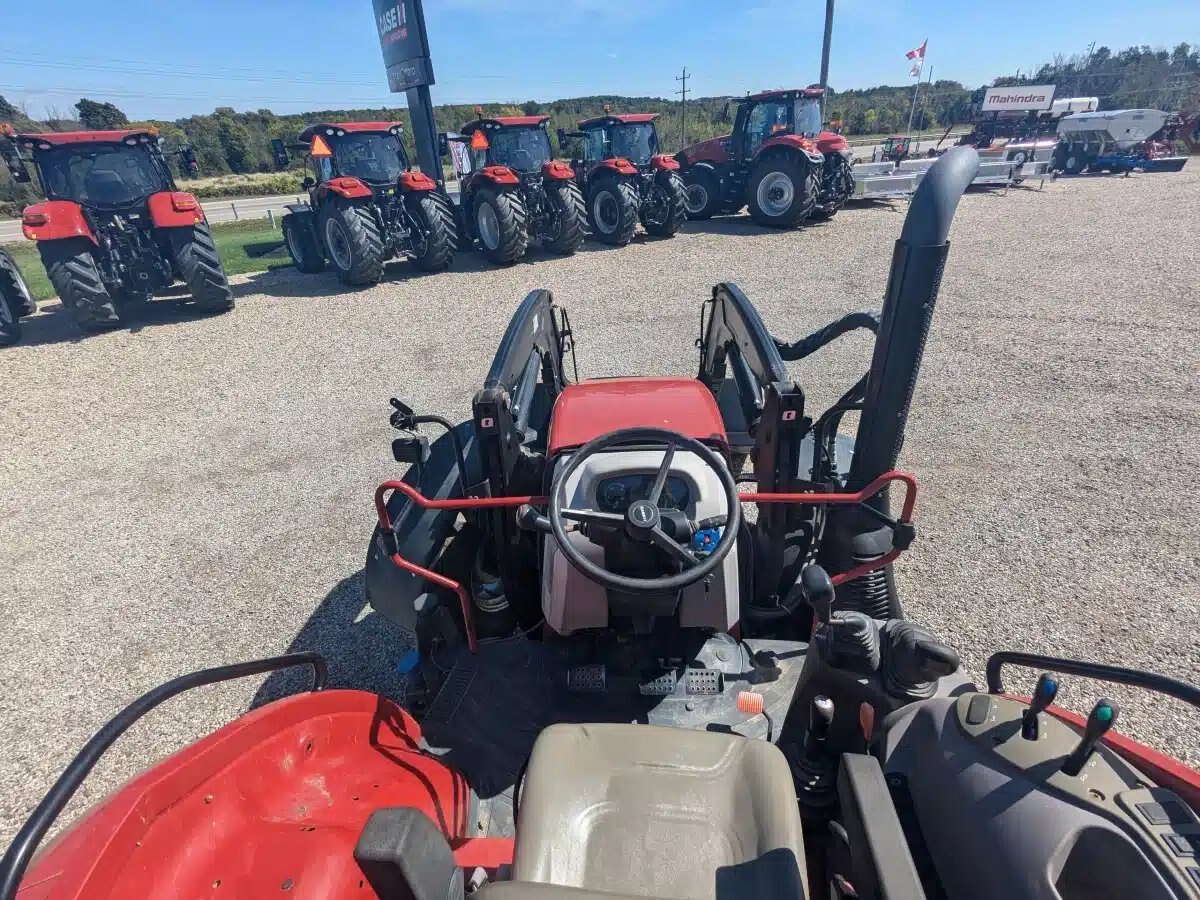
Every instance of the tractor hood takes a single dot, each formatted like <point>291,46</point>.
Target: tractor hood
<point>715,150</point>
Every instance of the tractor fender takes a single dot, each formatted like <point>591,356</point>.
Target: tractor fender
<point>299,209</point>
<point>501,176</point>
<point>347,187</point>
<point>790,143</point>
<point>557,171</point>
<point>618,164</point>
<point>663,163</point>
<point>54,220</point>
<point>174,209</point>
<point>831,142</point>
<point>714,150</point>
<point>416,181</point>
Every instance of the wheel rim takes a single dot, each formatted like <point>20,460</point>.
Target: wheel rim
<point>606,212</point>
<point>1019,158</point>
<point>339,244</point>
<point>1070,162</point>
<point>489,226</point>
<point>696,198</point>
<point>776,193</point>
<point>293,245</point>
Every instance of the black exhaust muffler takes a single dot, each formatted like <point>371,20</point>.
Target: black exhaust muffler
<point>852,536</point>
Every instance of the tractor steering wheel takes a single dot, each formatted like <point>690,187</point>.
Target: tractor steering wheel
<point>642,521</point>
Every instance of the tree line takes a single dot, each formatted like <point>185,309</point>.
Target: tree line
<point>226,141</point>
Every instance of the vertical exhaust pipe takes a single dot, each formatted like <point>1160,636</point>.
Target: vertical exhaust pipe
<point>918,260</point>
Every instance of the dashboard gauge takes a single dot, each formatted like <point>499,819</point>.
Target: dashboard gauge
<point>614,496</point>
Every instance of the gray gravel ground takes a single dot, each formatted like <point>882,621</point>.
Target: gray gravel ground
<point>195,492</point>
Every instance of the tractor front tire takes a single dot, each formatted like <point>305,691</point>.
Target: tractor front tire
<point>567,200</point>
<point>439,231</point>
<point>14,288</point>
<point>200,265</point>
<point>702,193</point>
<point>354,242</point>
<point>76,279</point>
<point>302,244</point>
<point>674,200</point>
<point>502,223</point>
<point>783,191</point>
<point>613,211</point>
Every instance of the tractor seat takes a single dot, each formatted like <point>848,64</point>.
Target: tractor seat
<point>668,813</point>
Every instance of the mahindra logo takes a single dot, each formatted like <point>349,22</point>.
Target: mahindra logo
<point>1017,98</point>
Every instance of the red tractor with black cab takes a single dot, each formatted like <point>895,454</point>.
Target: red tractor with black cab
<point>113,228</point>
<point>514,193</point>
<point>626,178</point>
<point>16,300</point>
<point>366,205</point>
<point>778,160</point>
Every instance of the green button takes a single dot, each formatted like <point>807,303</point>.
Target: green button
<point>1104,713</point>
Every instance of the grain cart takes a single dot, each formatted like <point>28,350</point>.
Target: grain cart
<point>513,193</point>
<point>1118,140</point>
<point>113,229</point>
<point>16,301</point>
<point>777,160</point>
<point>366,205</point>
<point>626,179</point>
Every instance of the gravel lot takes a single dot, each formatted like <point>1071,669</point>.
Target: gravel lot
<point>195,492</point>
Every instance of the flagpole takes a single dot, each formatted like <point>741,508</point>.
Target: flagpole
<point>913,109</point>
<point>921,127</point>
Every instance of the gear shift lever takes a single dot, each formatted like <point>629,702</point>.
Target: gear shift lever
<point>1099,721</point>
<point>817,588</point>
<point>1044,693</point>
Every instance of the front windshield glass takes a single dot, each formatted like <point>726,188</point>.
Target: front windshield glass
<point>637,143</point>
<point>808,117</point>
<point>373,158</point>
<point>109,175</point>
<point>523,149</point>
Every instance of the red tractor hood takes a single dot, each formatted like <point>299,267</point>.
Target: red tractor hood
<point>714,150</point>
<point>831,142</point>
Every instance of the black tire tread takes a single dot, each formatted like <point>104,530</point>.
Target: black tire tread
<point>14,287</point>
<point>627,198</point>
<point>572,213</point>
<point>696,174</point>
<point>10,325</point>
<point>804,176</point>
<point>514,225</point>
<point>367,257</point>
<point>313,261</point>
<point>76,279</point>
<point>433,211</point>
<point>841,191</point>
<point>200,265</point>
<point>676,204</point>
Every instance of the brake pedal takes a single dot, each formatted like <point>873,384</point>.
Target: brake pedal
<point>587,679</point>
<point>705,681</point>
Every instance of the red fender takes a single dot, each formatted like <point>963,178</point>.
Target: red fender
<point>500,175</point>
<point>54,220</point>
<point>664,163</point>
<point>417,181</point>
<point>175,209</point>
<point>831,142</point>
<point>618,164</point>
<point>345,186</point>
<point>557,171</point>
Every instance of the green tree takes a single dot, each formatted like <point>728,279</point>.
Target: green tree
<point>8,112</point>
<point>100,116</point>
<point>235,143</point>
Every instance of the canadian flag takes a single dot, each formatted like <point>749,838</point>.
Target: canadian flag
<point>919,56</point>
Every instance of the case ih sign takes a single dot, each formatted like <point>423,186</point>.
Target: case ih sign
<point>401,25</point>
<point>1019,98</point>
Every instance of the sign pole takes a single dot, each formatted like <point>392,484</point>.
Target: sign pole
<point>405,45</point>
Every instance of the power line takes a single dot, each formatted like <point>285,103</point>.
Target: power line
<point>682,92</point>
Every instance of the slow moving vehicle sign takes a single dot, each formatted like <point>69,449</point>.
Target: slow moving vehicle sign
<point>401,26</point>
<point>1018,98</point>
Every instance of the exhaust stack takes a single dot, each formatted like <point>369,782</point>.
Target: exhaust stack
<point>918,260</point>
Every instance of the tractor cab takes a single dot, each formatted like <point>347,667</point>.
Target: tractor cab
<point>771,114</point>
<point>897,148</point>
<point>372,152</point>
<point>630,136</point>
<point>520,143</point>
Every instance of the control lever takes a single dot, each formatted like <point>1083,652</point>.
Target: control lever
<point>820,718</point>
<point>817,587</point>
<point>1044,693</point>
<point>529,519</point>
<point>1099,721</point>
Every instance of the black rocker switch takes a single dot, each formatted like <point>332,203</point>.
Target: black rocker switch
<point>1099,720</point>
<point>817,587</point>
<point>820,718</point>
<point>1044,693</point>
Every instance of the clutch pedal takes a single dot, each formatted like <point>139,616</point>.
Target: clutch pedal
<point>662,686</point>
<point>705,681</point>
<point>587,679</point>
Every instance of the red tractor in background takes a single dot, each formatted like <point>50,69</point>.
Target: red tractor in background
<point>513,193</point>
<point>626,178</point>
<point>778,161</point>
<point>366,205</point>
<point>114,229</point>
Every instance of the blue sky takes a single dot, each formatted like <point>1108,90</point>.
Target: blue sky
<point>170,58</point>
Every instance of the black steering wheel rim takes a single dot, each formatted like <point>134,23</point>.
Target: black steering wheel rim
<point>625,583</point>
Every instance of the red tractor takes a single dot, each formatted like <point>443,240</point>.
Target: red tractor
<point>366,205</point>
<point>777,160</point>
<point>626,178</point>
<point>16,301</point>
<point>513,193</point>
<point>113,229</point>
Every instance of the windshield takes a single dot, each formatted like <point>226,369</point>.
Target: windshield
<point>100,175</point>
<point>373,158</point>
<point>808,117</point>
<point>637,143</point>
<point>523,149</point>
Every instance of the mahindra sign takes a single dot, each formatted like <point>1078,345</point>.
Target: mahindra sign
<point>1021,97</point>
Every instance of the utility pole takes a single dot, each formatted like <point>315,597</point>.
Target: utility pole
<point>682,92</point>
<point>827,44</point>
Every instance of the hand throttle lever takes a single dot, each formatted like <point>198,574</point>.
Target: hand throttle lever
<point>1044,693</point>
<point>1099,721</point>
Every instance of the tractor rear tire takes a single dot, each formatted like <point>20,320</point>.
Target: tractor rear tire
<point>837,190</point>
<point>675,201</point>
<point>613,211</point>
<point>302,244</point>
<point>200,265</point>
<point>76,279</point>
<point>502,223</point>
<point>10,327</point>
<point>14,288</point>
<point>783,191</point>
<point>354,242</point>
<point>1074,162</point>
<point>567,200</point>
<point>435,217</point>
<point>702,197</point>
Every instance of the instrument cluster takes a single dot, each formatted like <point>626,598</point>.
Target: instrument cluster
<point>615,494</point>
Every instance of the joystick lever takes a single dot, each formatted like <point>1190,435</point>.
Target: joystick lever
<point>1044,693</point>
<point>817,588</point>
<point>1099,721</point>
<point>820,718</point>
